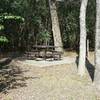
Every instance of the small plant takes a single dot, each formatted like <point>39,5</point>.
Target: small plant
<point>44,37</point>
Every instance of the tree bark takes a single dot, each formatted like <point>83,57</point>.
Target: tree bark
<point>97,46</point>
<point>55,25</point>
<point>87,47</point>
<point>82,53</point>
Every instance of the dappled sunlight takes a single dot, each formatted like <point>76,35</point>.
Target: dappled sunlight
<point>53,82</point>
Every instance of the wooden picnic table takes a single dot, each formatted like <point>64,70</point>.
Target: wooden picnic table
<point>48,51</point>
<point>49,48</point>
<point>45,47</point>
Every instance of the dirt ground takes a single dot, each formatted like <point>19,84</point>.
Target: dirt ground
<point>50,83</point>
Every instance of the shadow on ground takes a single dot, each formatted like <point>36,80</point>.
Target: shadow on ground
<point>11,76</point>
<point>89,66</point>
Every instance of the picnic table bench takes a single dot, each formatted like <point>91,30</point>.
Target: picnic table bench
<point>47,52</point>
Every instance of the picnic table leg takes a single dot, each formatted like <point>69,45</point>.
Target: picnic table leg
<point>45,55</point>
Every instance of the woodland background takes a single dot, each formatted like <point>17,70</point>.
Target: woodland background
<point>24,23</point>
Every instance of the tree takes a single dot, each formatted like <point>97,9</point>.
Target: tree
<point>97,46</point>
<point>37,19</point>
<point>82,53</point>
<point>55,25</point>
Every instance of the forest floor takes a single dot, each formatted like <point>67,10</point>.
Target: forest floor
<point>59,82</point>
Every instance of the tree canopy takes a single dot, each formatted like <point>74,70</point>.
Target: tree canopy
<point>22,20</point>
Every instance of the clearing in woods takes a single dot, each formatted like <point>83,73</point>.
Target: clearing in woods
<point>57,82</point>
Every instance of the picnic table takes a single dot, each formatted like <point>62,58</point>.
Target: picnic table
<point>48,50</point>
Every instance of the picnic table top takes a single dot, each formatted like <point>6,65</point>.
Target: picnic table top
<point>45,46</point>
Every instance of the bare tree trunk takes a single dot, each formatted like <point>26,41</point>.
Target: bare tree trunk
<point>55,25</point>
<point>87,48</point>
<point>82,53</point>
<point>97,47</point>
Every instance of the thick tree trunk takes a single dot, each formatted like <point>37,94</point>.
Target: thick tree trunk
<point>97,47</point>
<point>82,53</point>
<point>55,25</point>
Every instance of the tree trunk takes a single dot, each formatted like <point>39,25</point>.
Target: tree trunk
<point>55,25</point>
<point>82,53</point>
<point>97,47</point>
<point>87,48</point>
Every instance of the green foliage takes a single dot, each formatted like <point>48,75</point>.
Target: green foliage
<point>1,27</point>
<point>10,28</point>
<point>21,21</point>
<point>91,19</point>
<point>69,23</point>
<point>44,36</point>
<point>4,17</point>
<point>14,17</point>
<point>71,33</point>
<point>3,39</point>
